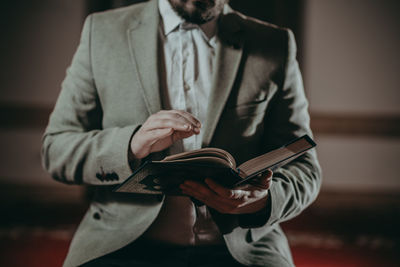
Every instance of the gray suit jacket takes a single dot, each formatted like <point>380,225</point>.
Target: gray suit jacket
<point>111,88</point>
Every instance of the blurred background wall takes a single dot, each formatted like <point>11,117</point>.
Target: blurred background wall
<point>351,66</point>
<point>39,38</point>
<point>348,51</point>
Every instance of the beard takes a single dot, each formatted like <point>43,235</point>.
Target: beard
<point>198,11</point>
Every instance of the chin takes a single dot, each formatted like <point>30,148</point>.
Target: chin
<point>197,11</point>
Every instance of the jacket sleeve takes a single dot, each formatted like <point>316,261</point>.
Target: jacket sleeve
<point>75,147</point>
<point>295,185</point>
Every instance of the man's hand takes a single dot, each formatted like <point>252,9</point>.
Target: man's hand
<point>248,198</point>
<point>161,130</point>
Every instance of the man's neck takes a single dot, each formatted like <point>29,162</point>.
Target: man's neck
<point>209,28</point>
<point>170,18</point>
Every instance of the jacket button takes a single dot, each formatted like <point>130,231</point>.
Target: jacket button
<point>100,176</point>
<point>114,176</point>
<point>96,216</point>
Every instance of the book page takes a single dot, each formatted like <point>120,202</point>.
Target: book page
<point>210,153</point>
<point>275,156</point>
<point>203,160</point>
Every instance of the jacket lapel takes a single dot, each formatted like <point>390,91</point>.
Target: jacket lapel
<point>229,54</point>
<point>143,42</point>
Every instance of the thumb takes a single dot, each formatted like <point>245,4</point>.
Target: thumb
<point>263,179</point>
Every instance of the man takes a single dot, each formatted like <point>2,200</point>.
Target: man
<point>167,76</point>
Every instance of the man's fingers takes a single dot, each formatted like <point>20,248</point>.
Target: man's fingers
<point>199,192</point>
<point>220,190</point>
<point>181,113</point>
<point>163,122</point>
<point>157,134</point>
<point>208,201</point>
<point>197,188</point>
<point>189,117</point>
<point>161,130</point>
<point>263,180</point>
<point>210,198</point>
<point>225,192</point>
<point>177,135</point>
<point>179,120</point>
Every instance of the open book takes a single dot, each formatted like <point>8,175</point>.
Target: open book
<point>165,176</point>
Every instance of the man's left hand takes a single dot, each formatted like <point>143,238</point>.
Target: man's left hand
<point>249,198</point>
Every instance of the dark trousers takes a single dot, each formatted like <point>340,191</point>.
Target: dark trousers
<point>145,254</point>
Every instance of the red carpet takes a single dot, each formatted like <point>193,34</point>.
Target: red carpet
<point>47,248</point>
<point>33,252</point>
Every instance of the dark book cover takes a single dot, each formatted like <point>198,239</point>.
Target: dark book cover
<point>164,177</point>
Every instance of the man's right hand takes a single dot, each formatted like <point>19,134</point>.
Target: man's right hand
<point>161,130</point>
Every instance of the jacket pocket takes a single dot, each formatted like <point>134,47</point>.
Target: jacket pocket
<point>256,106</point>
<point>248,110</point>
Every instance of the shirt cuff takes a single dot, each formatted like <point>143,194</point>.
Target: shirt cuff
<point>134,163</point>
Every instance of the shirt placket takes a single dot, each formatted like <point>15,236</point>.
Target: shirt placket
<point>176,74</point>
<point>188,61</point>
<point>203,225</point>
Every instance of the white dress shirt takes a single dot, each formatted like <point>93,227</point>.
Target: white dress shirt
<point>187,55</point>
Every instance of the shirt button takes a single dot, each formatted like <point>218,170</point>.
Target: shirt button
<point>96,216</point>
<point>186,87</point>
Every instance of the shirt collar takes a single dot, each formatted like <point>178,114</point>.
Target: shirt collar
<point>169,18</point>
<point>171,21</point>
